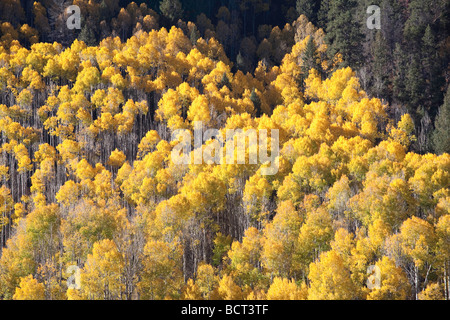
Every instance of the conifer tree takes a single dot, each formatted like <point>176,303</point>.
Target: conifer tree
<point>431,69</point>
<point>343,32</point>
<point>310,58</point>
<point>441,134</point>
<point>381,67</point>
<point>308,8</point>
<point>414,84</point>
<point>256,102</point>
<point>399,57</point>
<point>171,9</point>
<point>87,35</point>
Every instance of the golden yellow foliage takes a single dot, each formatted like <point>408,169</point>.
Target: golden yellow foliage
<point>29,289</point>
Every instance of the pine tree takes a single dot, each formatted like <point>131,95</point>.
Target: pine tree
<point>393,20</point>
<point>381,67</point>
<point>310,58</point>
<point>171,9</point>
<point>225,81</point>
<point>399,91</point>
<point>343,32</point>
<point>441,134</point>
<point>308,8</point>
<point>256,102</point>
<point>420,15</point>
<point>87,35</point>
<point>432,71</point>
<point>194,36</point>
<point>240,61</point>
<point>414,85</point>
<point>322,14</point>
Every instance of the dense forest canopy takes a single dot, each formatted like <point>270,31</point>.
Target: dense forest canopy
<point>405,62</point>
<point>88,183</point>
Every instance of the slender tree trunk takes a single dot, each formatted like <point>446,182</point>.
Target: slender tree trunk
<point>416,281</point>
<point>446,280</point>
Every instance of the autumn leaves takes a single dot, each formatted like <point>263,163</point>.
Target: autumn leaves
<point>88,177</point>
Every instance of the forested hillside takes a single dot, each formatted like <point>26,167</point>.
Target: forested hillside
<point>87,177</point>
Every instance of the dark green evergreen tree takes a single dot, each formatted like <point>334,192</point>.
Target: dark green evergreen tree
<point>322,14</point>
<point>105,11</point>
<point>381,68</point>
<point>432,71</point>
<point>392,21</point>
<point>344,32</point>
<point>308,8</point>
<point>225,81</point>
<point>172,10</point>
<point>194,36</point>
<point>420,15</point>
<point>414,84</point>
<point>441,134</point>
<point>240,61</point>
<point>87,35</point>
<point>310,59</point>
<point>399,92</point>
<point>256,102</point>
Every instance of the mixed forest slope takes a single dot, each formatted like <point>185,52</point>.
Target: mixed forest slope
<point>87,177</point>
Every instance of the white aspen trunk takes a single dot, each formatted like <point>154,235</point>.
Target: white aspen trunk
<point>446,281</point>
<point>416,281</point>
